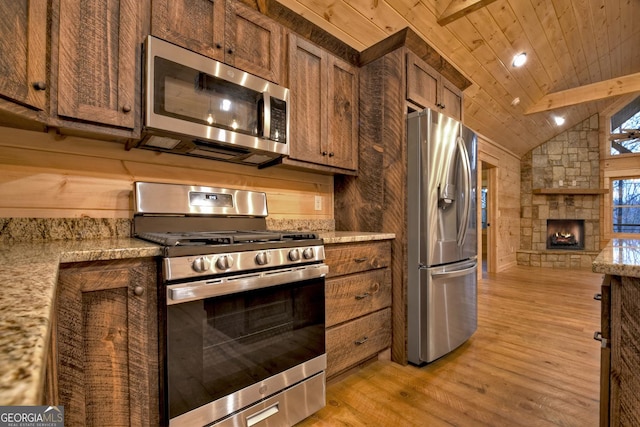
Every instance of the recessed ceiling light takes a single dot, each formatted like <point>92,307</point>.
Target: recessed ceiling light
<point>559,120</point>
<point>519,59</point>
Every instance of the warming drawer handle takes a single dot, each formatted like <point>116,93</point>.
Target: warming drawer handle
<point>598,337</point>
<point>262,415</point>
<point>361,341</point>
<point>597,297</point>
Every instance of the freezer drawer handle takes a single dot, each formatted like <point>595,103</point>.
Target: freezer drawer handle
<point>361,341</point>
<point>455,273</point>
<point>598,337</point>
<point>363,296</point>
<point>597,297</point>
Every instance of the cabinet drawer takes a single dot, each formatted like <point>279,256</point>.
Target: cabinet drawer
<point>355,296</point>
<point>357,257</point>
<point>356,341</point>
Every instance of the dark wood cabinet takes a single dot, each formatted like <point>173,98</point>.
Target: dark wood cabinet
<point>427,88</point>
<point>253,42</point>
<point>324,107</point>
<point>97,71</point>
<point>196,25</point>
<point>25,84</point>
<point>620,354</point>
<point>358,300</point>
<point>107,343</point>
<point>23,52</point>
<point>227,31</point>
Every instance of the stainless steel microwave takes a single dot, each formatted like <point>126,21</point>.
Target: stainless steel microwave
<point>200,107</point>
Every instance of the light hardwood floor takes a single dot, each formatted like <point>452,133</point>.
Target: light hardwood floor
<point>532,362</point>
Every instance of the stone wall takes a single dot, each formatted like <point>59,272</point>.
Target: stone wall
<point>570,160</point>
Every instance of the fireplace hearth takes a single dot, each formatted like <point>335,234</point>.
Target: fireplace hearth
<point>565,234</point>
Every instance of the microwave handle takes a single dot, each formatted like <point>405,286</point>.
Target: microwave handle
<point>265,114</point>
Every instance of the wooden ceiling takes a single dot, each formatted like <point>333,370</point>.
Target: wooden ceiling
<point>569,44</point>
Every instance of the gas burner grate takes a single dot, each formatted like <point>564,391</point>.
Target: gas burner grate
<point>200,238</point>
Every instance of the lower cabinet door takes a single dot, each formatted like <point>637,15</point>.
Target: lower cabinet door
<point>355,341</point>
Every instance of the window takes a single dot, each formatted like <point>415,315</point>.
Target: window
<point>625,129</point>
<point>626,205</point>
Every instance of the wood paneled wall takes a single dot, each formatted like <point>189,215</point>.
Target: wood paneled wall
<point>507,211</point>
<point>51,176</point>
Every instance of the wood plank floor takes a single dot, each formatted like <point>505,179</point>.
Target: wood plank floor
<point>532,362</point>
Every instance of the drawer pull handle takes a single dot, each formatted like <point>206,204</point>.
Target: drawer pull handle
<point>598,337</point>
<point>363,296</point>
<point>361,341</point>
<point>597,297</point>
<point>359,260</point>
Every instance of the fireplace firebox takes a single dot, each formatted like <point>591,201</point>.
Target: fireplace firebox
<point>565,234</point>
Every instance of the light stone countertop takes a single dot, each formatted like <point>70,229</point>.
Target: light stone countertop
<point>621,257</point>
<point>330,237</point>
<point>28,278</point>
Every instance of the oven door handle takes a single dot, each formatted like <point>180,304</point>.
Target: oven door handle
<point>183,292</point>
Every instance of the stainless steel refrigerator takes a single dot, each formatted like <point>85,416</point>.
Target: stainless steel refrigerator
<point>441,229</point>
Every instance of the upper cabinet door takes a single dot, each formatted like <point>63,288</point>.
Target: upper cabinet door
<point>307,82</point>
<point>229,32</point>
<point>451,100</point>
<point>23,51</point>
<point>427,88</point>
<point>197,25</point>
<point>342,120</point>
<point>422,82</point>
<point>97,62</point>
<point>253,42</point>
<point>324,107</point>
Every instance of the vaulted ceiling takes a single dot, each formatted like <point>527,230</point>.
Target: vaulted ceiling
<point>569,44</point>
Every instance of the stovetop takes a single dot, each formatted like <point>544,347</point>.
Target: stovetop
<point>210,238</point>
<point>207,231</point>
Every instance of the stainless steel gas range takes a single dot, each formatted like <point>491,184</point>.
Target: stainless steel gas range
<point>242,308</point>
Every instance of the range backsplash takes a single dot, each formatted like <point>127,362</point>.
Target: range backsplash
<point>14,230</point>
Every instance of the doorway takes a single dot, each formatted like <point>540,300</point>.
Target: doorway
<point>487,251</point>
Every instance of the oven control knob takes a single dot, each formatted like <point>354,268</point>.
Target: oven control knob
<point>294,255</point>
<point>308,253</point>
<point>263,258</point>
<point>201,264</point>
<point>224,262</point>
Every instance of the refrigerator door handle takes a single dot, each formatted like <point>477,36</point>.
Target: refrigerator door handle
<point>455,273</point>
<point>464,154</point>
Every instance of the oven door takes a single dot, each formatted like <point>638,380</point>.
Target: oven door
<point>234,341</point>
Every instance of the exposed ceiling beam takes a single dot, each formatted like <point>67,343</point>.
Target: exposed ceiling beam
<point>591,92</point>
<point>459,8</point>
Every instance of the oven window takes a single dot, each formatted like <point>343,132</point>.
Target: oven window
<point>220,345</point>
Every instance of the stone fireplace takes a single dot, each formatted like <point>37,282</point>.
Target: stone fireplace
<point>565,234</point>
<point>559,194</point>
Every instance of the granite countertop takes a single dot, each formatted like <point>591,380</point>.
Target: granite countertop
<point>28,278</point>
<point>621,257</point>
<point>330,237</point>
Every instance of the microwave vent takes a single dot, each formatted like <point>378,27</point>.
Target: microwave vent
<point>162,142</point>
